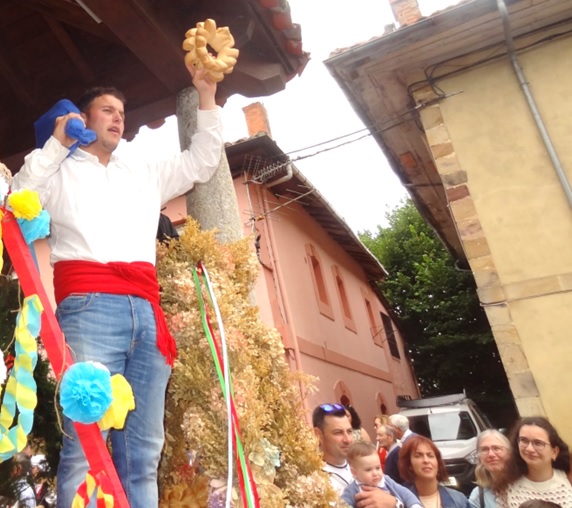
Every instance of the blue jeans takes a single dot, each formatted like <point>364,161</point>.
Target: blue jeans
<point>118,331</point>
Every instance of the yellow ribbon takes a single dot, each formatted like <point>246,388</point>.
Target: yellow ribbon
<point>20,395</point>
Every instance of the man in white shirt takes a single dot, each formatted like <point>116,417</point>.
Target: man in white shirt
<point>104,221</point>
<point>334,431</point>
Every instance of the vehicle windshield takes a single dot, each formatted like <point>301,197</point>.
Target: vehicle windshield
<point>444,426</point>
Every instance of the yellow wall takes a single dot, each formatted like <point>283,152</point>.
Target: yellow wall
<point>522,212</point>
<point>522,208</point>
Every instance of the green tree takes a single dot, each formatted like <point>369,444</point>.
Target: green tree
<point>448,335</point>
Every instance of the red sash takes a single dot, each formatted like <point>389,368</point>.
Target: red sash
<point>118,278</point>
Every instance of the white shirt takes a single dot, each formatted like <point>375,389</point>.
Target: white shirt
<point>406,434</point>
<point>340,476</point>
<point>111,213</point>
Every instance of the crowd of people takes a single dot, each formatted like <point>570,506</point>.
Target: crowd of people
<point>27,485</point>
<point>402,469</point>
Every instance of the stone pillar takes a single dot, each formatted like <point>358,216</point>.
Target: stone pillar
<point>213,204</point>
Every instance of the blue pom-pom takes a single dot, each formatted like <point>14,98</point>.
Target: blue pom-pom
<point>37,228</point>
<point>85,392</point>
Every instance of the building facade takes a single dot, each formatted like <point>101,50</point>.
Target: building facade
<point>483,146</point>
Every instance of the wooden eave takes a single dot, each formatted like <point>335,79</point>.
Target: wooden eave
<point>375,77</point>
<point>314,203</point>
<point>51,49</point>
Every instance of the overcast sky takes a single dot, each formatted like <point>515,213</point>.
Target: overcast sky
<point>355,178</point>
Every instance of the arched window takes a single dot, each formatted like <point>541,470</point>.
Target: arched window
<point>344,301</point>
<point>319,281</point>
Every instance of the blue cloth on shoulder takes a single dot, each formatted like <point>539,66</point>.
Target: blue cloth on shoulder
<point>44,126</point>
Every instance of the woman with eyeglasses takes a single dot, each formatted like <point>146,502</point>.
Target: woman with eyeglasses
<point>493,449</point>
<point>423,470</point>
<point>539,467</point>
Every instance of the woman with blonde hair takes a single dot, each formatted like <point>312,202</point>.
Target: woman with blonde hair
<point>493,449</point>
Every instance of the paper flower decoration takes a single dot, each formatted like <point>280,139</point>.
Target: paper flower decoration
<point>35,229</point>
<point>85,392</point>
<point>123,402</point>
<point>25,204</point>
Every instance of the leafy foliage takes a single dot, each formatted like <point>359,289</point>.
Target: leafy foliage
<point>447,332</point>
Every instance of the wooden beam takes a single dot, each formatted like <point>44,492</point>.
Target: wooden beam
<point>71,49</point>
<point>138,29</point>
<point>70,14</point>
<point>18,86</point>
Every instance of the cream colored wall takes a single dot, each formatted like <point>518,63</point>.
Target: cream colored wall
<point>521,210</point>
<point>520,203</point>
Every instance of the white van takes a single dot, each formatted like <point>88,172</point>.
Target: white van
<point>452,422</point>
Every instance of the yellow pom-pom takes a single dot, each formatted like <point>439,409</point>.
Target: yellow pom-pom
<point>25,204</point>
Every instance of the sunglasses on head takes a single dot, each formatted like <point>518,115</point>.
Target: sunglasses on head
<point>332,408</point>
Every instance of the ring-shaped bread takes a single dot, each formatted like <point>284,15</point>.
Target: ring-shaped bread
<point>197,42</point>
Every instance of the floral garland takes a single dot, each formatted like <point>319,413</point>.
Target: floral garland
<point>278,444</point>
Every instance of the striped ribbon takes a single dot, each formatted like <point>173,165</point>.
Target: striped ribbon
<point>20,396</point>
<point>249,494</point>
<point>87,488</point>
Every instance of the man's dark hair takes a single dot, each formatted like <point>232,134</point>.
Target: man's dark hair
<point>539,503</point>
<point>88,96</point>
<point>320,413</point>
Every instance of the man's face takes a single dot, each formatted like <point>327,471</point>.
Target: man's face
<point>335,439</point>
<point>106,117</point>
<point>383,438</point>
<point>367,469</point>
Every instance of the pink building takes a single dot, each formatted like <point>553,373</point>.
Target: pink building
<point>317,283</point>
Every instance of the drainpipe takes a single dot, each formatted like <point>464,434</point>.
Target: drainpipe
<point>280,284</point>
<point>532,103</point>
